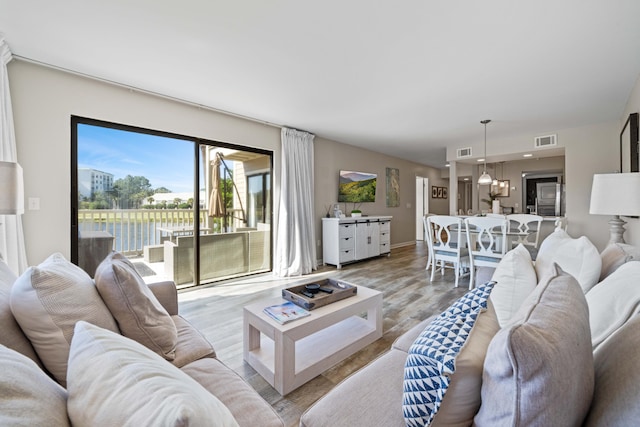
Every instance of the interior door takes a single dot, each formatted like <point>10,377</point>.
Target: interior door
<point>422,204</point>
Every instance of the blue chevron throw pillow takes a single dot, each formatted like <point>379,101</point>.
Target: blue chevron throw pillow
<point>431,362</point>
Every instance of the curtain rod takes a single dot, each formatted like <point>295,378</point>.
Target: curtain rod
<point>144,91</point>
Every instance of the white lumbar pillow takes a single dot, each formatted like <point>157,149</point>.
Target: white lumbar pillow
<point>613,302</point>
<point>578,257</point>
<point>515,278</point>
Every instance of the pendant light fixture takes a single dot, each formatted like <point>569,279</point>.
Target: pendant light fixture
<point>485,178</point>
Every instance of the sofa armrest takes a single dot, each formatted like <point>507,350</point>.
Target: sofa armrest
<point>167,294</point>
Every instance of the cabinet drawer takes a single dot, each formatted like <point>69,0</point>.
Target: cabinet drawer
<point>347,230</point>
<point>347,255</point>
<point>385,226</point>
<point>346,243</point>
<point>384,238</point>
<point>385,248</point>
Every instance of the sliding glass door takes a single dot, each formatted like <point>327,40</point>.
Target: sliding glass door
<point>137,193</point>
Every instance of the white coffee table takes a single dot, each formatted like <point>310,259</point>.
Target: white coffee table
<point>289,355</point>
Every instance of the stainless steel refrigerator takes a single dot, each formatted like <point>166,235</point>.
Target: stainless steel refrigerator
<point>549,199</point>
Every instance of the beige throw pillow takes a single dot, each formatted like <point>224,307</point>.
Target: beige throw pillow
<point>114,381</point>
<point>29,397</point>
<point>139,314</point>
<point>617,382</point>
<point>539,369</point>
<point>48,300</point>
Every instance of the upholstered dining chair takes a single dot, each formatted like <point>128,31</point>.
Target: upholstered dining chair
<point>447,247</point>
<point>486,241</point>
<point>429,234</point>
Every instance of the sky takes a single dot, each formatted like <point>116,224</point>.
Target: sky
<point>165,162</point>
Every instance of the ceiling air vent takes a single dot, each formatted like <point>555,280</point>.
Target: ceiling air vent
<point>464,152</point>
<point>545,141</point>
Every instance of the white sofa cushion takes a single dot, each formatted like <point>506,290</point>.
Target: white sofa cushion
<point>29,397</point>
<point>48,300</point>
<point>443,370</point>
<point>539,369</point>
<point>139,314</point>
<point>515,278</point>
<point>115,381</point>
<point>578,257</point>
<point>614,301</point>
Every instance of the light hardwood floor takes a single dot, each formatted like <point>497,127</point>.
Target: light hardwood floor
<point>408,298</point>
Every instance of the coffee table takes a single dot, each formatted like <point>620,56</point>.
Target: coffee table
<point>289,355</point>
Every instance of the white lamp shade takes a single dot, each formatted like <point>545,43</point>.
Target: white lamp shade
<point>485,179</point>
<point>11,189</point>
<point>615,194</point>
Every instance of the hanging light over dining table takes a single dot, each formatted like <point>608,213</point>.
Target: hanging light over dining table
<point>485,178</point>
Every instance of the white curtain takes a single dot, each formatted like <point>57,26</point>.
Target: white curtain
<point>12,247</point>
<point>295,241</point>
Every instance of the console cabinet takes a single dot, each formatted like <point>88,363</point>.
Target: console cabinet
<point>351,239</point>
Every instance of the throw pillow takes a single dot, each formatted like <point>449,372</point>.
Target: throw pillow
<point>12,336</point>
<point>29,397</point>
<point>539,369</point>
<point>578,257</point>
<point>616,254</point>
<point>139,314</point>
<point>617,379</point>
<point>515,278</point>
<point>443,371</point>
<point>48,300</point>
<point>613,302</point>
<point>114,381</point>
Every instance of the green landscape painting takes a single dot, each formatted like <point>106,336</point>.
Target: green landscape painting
<point>357,187</point>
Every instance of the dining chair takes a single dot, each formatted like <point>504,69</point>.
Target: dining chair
<point>486,241</point>
<point>561,223</point>
<point>447,245</point>
<point>527,228</point>
<point>429,235</point>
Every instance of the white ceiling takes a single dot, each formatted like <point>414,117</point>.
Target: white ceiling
<point>405,78</point>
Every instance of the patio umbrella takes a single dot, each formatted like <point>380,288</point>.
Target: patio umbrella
<point>216,207</point>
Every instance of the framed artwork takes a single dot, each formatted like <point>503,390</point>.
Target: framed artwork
<point>629,152</point>
<point>445,192</point>
<point>501,191</point>
<point>393,187</point>
<point>439,192</point>
<point>434,192</point>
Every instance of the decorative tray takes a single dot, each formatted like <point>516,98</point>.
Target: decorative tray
<point>339,290</point>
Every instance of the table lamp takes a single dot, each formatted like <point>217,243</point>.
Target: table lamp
<point>616,194</point>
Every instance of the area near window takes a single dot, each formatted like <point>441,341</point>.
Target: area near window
<point>166,201</point>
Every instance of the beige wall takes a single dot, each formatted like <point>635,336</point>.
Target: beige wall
<point>331,157</point>
<point>43,102</point>
<point>632,235</point>
<point>45,99</point>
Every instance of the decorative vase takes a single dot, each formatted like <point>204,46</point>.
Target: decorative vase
<point>495,206</point>
<point>356,214</point>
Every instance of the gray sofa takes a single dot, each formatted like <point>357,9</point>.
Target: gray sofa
<point>373,396</point>
<point>193,355</point>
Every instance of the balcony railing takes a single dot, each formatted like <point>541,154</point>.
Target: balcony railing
<point>134,229</point>
<point>235,252</point>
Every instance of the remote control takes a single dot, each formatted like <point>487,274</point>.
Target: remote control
<point>306,293</point>
<point>325,289</point>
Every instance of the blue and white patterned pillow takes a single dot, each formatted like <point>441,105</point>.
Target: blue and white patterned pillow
<point>432,357</point>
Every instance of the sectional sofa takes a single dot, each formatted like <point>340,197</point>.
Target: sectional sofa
<point>110,351</point>
<point>553,343</point>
